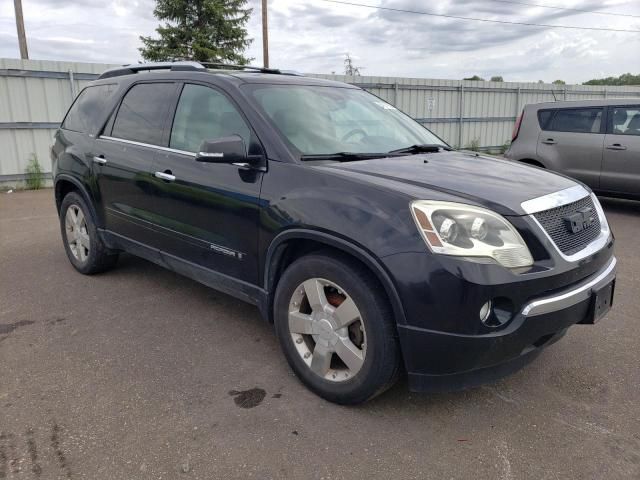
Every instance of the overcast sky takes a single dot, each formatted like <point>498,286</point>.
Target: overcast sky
<point>313,36</point>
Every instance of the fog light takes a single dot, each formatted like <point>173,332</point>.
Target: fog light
<point>485,311</point>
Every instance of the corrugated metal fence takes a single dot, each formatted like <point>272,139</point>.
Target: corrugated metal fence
<point>34,96</point>
<point>467,112</point>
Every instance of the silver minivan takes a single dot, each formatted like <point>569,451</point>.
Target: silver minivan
<point>594,141</point>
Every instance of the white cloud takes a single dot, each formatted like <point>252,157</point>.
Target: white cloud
<point>313,36</point>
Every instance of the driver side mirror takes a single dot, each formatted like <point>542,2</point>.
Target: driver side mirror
<point>229,149</point>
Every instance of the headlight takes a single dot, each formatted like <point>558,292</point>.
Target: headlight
<point>467,231</point>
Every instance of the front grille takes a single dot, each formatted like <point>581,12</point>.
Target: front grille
<point>553,221</point>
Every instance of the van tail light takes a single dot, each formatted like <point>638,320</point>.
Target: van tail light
<point>516,127</point>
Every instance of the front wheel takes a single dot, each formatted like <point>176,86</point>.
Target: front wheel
<point>336,328</point>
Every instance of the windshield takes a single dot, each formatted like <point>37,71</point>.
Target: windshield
<point>325,120</point>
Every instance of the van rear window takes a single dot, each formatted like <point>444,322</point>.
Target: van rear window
<point>87,110</point>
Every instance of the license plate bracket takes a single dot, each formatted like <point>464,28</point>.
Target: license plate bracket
<point>601,301</point>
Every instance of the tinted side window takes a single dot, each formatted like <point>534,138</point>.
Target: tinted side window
<point>579,120</point>
<point>204,114</point>
<point>85,113</point>
<point>544,117</point>
<point>142,113</point>
<point>626,120</point>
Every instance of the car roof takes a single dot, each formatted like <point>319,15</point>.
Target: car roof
<point>586,103</point>
<point>256,77</point>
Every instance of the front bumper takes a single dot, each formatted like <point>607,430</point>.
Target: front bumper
<point>445,361</point>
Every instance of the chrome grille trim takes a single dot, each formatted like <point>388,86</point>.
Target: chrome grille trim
<point>596,245</point>
<point>556,199</point>
<point>554,223</point>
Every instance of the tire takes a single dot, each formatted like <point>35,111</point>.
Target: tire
<point>307,335</point>
<point>83,245</point>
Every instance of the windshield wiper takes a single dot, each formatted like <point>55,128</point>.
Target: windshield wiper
<point>343,156</point>
<point>422,148</point>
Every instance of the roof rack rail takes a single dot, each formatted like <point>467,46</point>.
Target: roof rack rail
<point>135,68</point>
<point>239,67</point>
<point>183,65</point>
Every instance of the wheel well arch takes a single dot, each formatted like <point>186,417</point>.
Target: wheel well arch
<point>291,245</point>
<point>62,188</point>
<point>64,185</point>
<point>531,161</point>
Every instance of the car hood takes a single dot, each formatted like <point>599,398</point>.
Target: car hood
<point>498,184</point>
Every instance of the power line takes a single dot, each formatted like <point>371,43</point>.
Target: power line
<point>568,8</point>
<point>486,20</point>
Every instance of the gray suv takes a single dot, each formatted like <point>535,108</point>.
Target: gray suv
<point>594,141</point>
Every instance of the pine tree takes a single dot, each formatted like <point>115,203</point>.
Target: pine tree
<point>200,30</point>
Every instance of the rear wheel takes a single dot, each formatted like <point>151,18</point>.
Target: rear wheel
<point>336,328</point>
<point>84,248</point>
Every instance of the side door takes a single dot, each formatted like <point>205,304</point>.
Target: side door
<point>621,161</point>
<point>571,143</point>
<point>208,212</point>
<point>123,157</point>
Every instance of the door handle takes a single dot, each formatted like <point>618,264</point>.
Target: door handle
<point>99,159</point>
<point>549,141</point>
<point>165,176</point>
<point>616,146</point>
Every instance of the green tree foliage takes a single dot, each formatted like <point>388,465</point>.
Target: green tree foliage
<point>497,78</point>
<point>475,78</point>
<point>201,30</point>
<point>624,79</point>
<point>559,82</point>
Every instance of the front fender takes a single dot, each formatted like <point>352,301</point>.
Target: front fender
<point>276,249</point>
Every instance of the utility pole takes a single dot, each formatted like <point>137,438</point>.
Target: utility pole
<point>22,37</point>
<point>265,35</point>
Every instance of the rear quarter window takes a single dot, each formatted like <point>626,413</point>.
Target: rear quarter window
<point>544,118</point>
<point>86,112</point>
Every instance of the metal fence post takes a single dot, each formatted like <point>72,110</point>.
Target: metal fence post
<point>72,84</point>
<point>461,103</point>
<point>605,93</point>
<point>395,94</point>
<point>518,102</point>
<point>565,92</point>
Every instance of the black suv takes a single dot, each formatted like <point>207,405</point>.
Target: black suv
<point>371,245</point>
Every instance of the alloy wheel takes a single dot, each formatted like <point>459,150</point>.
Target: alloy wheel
<point>327,329</point>
<point>77,234</point>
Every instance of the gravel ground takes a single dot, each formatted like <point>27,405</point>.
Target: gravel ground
<point>140,373</point>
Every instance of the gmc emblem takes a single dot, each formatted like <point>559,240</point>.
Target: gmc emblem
<point>580,220</point>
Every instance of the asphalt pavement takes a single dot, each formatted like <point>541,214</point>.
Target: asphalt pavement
<point>142,374</point>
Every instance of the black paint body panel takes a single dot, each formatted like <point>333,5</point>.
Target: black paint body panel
<point>228,227</point>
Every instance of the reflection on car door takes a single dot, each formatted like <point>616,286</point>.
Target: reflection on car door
<point>621,161</point>
<point>208,212</point>
<point>572,144</point>
<point>124,155</point>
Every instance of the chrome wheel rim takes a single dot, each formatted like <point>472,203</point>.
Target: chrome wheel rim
<point>77,234</point>
<point>327,330</point>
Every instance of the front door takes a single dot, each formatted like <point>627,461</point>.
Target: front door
<point>208,212</point>
<point>123,158</point>
<point>621,162</point>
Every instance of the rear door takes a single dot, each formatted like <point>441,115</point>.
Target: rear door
<point>208,213</point>
<point>123,157</point>
<point>621,161</point>
<point>571,143</point>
